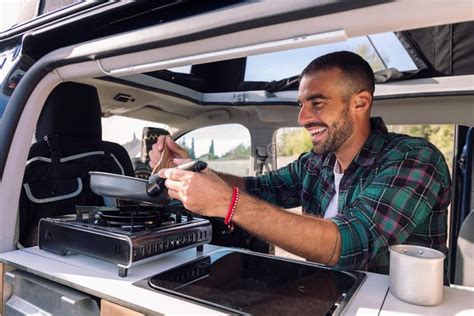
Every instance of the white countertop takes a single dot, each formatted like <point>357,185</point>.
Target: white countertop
<point>100,278</point>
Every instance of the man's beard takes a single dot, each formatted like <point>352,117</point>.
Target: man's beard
<point>337,134</point>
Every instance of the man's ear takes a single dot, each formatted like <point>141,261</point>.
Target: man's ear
<point>362,101</point>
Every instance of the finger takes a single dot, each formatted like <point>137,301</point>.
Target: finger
<point>174,147</point>
<point>154,150</point>
<point>154,156</point>
<point>173,173</point>
<point>173,185</point>
<point>180,161</point>
<point>152,161</point>
<point>160,142</point>
<point>174,194</point>
<point>207,171</point>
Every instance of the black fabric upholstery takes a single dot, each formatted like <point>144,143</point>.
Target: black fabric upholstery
<point>69,145</point>
<point>72,110</point>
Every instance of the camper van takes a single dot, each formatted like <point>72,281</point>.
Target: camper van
<point>87,87</point>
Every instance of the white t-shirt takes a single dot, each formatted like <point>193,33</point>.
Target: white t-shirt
<point>332,210</point>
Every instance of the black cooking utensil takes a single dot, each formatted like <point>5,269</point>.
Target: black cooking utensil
<point>156,184</point>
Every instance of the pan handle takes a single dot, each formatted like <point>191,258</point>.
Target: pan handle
<point>156,184</point>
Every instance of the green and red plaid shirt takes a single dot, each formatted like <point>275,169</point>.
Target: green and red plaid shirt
<point>395,191</point>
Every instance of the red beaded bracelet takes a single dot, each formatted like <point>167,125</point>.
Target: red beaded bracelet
<point>231,211</point>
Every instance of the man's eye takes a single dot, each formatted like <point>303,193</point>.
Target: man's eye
<point>300,105</point>
<point>317,104</point>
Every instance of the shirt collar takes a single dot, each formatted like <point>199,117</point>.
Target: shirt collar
<point>374,143</point>
<point>371,148</point>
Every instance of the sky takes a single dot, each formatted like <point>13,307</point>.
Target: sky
<point>265,67</point>
<point>8,13</point>
<point>121,130</point>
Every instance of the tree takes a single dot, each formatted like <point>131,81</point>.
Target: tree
<point>183,142</point>
<point>192,154</point>
<point>211,148</point>
<point>293,141</point>
<point>239,152</point>
<point>210,155</point>
<point>442,136</point>
<point>366,52</point>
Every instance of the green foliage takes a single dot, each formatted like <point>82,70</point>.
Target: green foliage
<point>239,152</point>
<point>192,154</point>
<point>368,53</point>
<point>211,148</point>
<point>442,136</point>
<point>293,141</point>
<point>210,155</point>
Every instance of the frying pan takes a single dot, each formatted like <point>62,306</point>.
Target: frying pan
<point>130,188</point>
<point>124,188</point>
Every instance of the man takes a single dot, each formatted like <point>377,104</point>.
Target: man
<point>361,188</point>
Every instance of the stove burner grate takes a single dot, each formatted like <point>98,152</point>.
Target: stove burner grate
<point>129,218</point>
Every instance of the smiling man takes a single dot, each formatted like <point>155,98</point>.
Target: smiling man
<point>360,187</point>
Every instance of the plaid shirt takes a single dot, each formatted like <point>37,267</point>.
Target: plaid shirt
<point>395,191</point>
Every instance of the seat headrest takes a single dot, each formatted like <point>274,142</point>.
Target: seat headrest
<point>71,110</point>
<point>149,137</point>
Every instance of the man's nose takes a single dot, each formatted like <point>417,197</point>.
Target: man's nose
<point>305,115</point>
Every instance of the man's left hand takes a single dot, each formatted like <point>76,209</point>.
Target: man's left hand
<point>202,193</point>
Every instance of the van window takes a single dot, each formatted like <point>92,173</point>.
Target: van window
<point>382,51</point>
<point>291,142</point>
<point>442,136</point>
<point>226,148</point>
<point>47,6</point>
<point>127,132</point>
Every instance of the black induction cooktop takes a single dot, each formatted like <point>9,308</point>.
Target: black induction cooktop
<point>244,282</point>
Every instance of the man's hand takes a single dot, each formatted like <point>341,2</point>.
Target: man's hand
<point>175,151</point>
<point>202,193</point>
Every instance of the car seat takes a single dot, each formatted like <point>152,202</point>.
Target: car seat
<point>69,145</point>
<point>465,253</point>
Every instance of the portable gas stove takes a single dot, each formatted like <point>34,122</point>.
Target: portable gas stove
<point>125,235</point>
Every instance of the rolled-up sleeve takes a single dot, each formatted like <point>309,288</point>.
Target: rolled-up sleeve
<point>354,242</point>
<point>399,200</point>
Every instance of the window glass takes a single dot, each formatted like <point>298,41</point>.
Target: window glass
<point>48,6</point>
<point>11,71</point>
<point>442,136</point>
<point>15,12</point>
<point>391,51</point>
<point>182,69</point>
<point>126,132</point>
<point>291,142</point>
<point>381,51</point>
<point>3,104</point>
<point>10,10</point>
<point>226,148</point>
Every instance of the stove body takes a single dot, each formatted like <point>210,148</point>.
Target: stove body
<point>125,236</point>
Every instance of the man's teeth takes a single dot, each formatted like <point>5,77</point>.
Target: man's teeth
<point>317,131</point>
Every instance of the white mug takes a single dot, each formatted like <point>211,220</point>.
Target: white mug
<point>416,274</point>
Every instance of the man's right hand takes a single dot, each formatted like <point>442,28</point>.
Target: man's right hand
<point>175,151</point>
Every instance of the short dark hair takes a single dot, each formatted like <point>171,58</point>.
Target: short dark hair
<point>358,75</point>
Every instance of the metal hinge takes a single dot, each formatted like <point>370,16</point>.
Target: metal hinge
<point>240,97</point>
